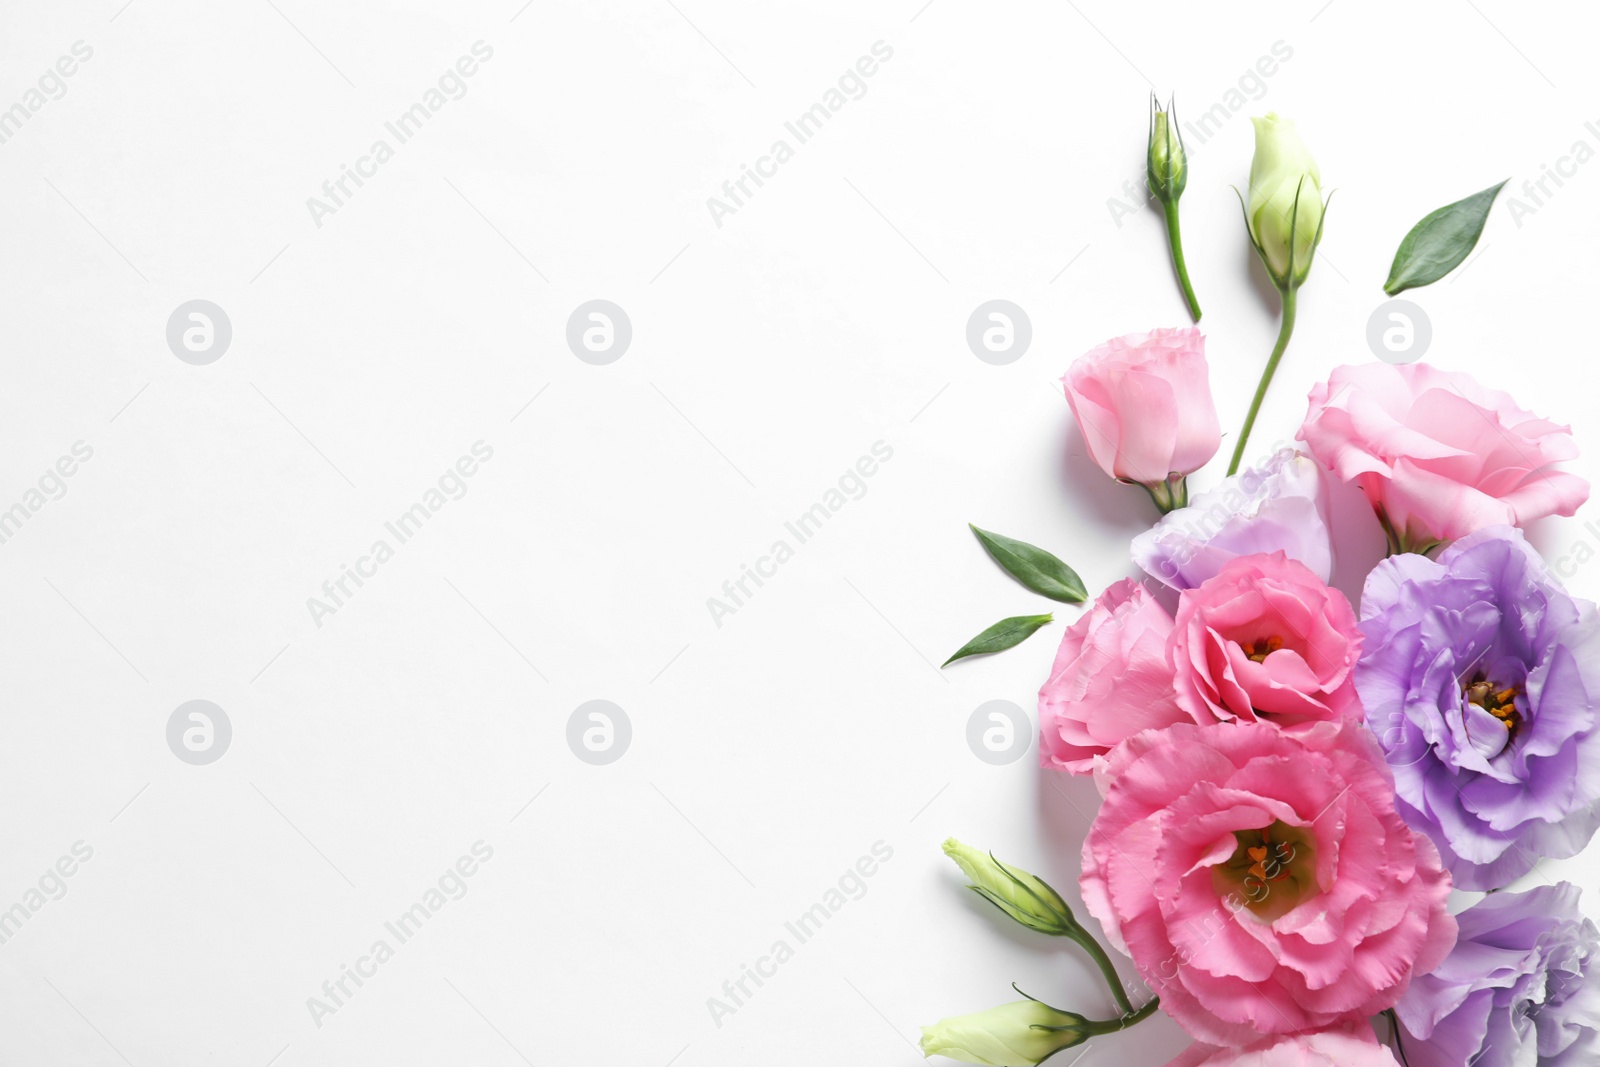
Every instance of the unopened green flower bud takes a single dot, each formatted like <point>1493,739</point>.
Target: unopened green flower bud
<point>1013,1035</point>
<point>1284,209</point>
<point>1167,165</point>
<point>1025,897</point>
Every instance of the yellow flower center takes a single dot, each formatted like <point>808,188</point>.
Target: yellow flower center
<point>1258,651</point>
<point>1271,870</point>
<point>1501,703</point>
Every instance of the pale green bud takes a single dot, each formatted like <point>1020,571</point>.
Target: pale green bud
<point>1167,166</point>
<point>1013,1035</point>
<point>1025,897</point>
<point>1284,209</point>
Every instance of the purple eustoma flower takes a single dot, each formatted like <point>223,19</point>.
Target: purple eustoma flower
<point>1277,506</point>
<point>1481,677</point>
<point>1522,986</point>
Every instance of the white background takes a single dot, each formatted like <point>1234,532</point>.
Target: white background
<point>768,354</point>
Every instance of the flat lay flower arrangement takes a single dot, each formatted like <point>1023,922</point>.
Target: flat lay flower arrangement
<point>1291,784</point>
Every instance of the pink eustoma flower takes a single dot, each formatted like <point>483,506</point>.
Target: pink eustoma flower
<point>1347,1046</point>
<point>1261,879</point>
<point>1110,680</point>
<point>1144,405</point>
<point>1266,639</point>
<point>1437,454</point>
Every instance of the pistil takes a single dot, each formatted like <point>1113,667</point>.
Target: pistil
<point>1501,703</point>
<point>1258,651</point>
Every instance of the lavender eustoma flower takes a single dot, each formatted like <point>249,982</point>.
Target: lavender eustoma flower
<point>1279,505</point>
<point>1522,986</point>
<point>1481,677</point>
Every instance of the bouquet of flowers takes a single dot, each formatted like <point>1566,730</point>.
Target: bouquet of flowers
<point>1291,786</point>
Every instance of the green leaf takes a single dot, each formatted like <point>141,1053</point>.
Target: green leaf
<point>1437,245</point>
<point>1007,633</point>
<point>1033,567</point>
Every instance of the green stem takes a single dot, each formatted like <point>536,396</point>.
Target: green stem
<point>1132,1018</point>
<point>1390,535</point>
<point>1284,332</point>
<point>1176,241</point>
<point>1087,942</point>
<point>1170,494</point>
<point>1398,542</point>
<point>1394,1034</point>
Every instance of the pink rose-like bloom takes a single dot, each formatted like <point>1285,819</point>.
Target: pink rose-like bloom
<point>1262,880</point>
<point>1110,680</point>
<point>1437,454</point>
<point>1348,1046</point>
<point>1265,639</point>
<point>1144,405</point>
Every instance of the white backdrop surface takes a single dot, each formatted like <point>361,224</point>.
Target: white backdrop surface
<point>407,741</point>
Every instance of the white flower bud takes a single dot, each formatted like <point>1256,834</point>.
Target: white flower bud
<point>1020,1034</point>
<point>1284,208</point>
